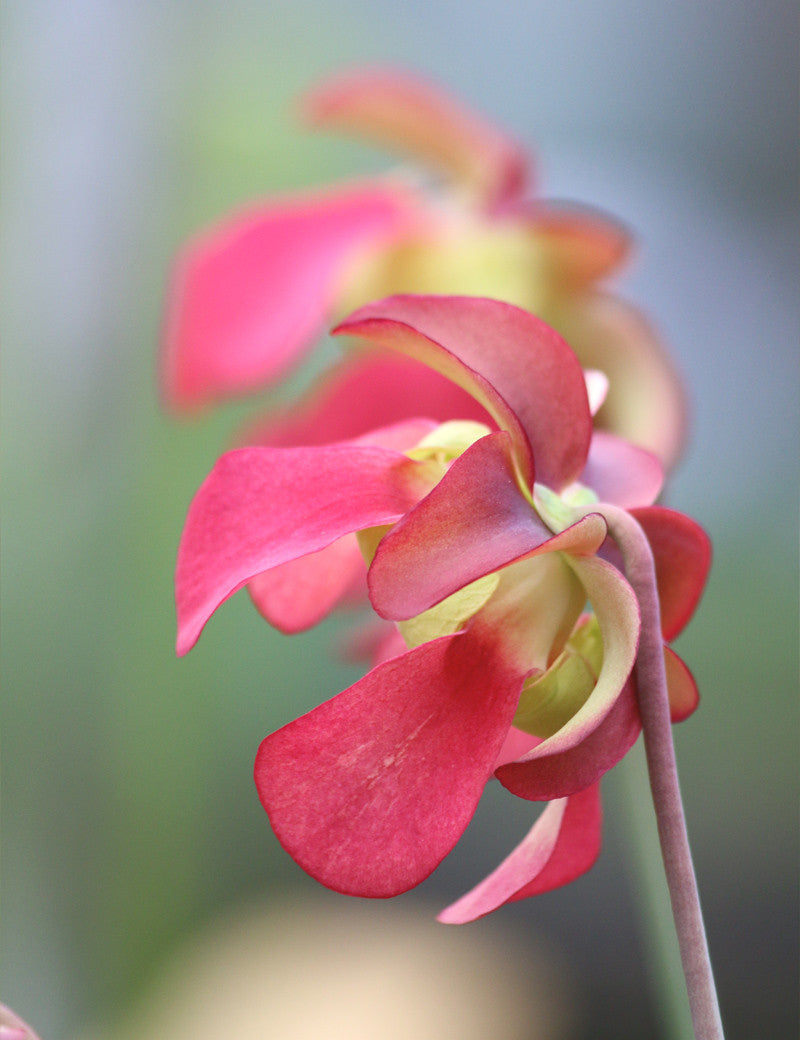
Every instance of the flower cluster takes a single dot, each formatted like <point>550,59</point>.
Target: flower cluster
<point>487,525</point>
<point>252,294</point>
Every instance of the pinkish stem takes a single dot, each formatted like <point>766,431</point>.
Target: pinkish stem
<point>651,683</point>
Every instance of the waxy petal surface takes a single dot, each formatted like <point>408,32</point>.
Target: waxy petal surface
<point>403,112</point>
<point>474,522</point>
<point>682,554</point>
<point>523,373</point>
<point>371,790</point>
<point>563,844</point>
<point>260,507</point>
<point>620,473</point>
<point>251,294</point>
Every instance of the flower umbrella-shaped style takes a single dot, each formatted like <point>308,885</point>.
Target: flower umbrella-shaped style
<point>252,294</point>
<point>486,541</point>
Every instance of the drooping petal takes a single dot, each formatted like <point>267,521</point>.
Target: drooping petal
<point>475,521</point>
<point>682,553</point>
<point>515,365</point>
<point>646,402</point>
<point>406,113</point>
<point>620,473</point>
<point>299,593</point>
<point>249,295</point>
<point>260,507</point>
<point>371,790</point>
<point>605,727</point>
<point>683,693</point>
<point>563,844</point>
<point>366,390</point>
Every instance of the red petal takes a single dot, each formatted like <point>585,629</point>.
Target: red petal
<point>409,114</point>
<point>621,473</point>
<point>474,522</point>
<point>249,295</point>
<point>365,391</point>
<point>370,791</point>
<point>563,844</point>
<point>582,245</point>
<point>682,552</point>
<point>555,775</point>
<point>683,693</point>
<point>260,507</point>
<point>523,373</point>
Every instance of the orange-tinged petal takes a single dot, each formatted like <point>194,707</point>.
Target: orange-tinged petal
<point>408,114</point>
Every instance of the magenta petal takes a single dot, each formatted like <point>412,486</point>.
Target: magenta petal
<point>260,507</point>
<point>300,593</point>
<point>370,791</point>
<point>563,844</point>
<point>522,371</point>
<point>475,521</point>
<point>365,391</point>
<point>682,553</point>
<point>621,473</point>
<point>249,295</point>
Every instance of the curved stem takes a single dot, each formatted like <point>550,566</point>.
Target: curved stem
<point>651,683</point>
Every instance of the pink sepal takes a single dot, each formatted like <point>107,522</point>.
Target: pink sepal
<point>563,844</point>
<point>621,473</point>
<point>371,790</point>
<point>261,507</point>
<point>249,296</point>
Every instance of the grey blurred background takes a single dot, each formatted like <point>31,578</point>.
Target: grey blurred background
<point>129,816</point>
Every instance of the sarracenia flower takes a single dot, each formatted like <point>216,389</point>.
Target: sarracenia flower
<point>488,547</point>
<point>252,294</point>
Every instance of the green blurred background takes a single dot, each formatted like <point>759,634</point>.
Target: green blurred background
<point>129,815</point>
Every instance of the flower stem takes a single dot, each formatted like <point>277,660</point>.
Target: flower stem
<point>651,683</point>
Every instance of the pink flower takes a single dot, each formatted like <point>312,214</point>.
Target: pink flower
<point>487,545</point>
<point>251,294</point>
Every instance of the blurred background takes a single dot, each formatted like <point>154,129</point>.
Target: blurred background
<point>130,821</point>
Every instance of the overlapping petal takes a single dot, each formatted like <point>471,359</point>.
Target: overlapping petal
<point>371,790</point>
<point>403,112</point>
<point>260,507</point>
<point>517,367</point>
<point>619,472</point>
<point>251,294</point>
<point>563,844</point>
<point>474,522</point>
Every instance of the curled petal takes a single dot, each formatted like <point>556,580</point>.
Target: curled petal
<point>605,727</point>
<point>621,473</point>
<point>475,521</point>
<point>646,402</point>
<point>581,245</point>
<point>682,554</point>
<point>366,390</point>
<point>249,295</point>
<point>683,693</point>
<point>260,507</point>
<point>514,364</point>
<point>563,844</point>
<point>370,791</point>
<point>395,109</point>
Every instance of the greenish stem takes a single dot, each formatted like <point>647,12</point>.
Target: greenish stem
<point>651,682</point>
